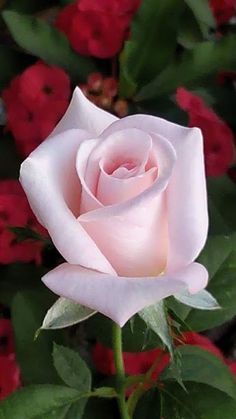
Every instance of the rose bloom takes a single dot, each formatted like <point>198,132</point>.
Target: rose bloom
<point>124,201</point>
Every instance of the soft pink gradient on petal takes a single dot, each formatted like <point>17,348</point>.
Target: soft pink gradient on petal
<point>52,186</point>
<point>133,234</point>
<point>83,114</point>
<point>120,298</point>
<point>186,193</point>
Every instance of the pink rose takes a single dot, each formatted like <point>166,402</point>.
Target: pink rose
<point>125,204</point>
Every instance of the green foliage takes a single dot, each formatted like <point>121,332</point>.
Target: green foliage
<point>44,41</point>
<point>154,32</point>
<point>39,402</point>
<point>203,14</point>
<point>65,313</point>
<point>71,368</point>
<point>155,318</point>
<point>200,402</point>
<point>204,60</point>
<point>149,405</point>
<point>34,357</point>
<point>203,300</point>
<point>200,366</point>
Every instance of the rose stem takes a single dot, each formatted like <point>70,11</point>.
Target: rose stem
<point>120,372</point>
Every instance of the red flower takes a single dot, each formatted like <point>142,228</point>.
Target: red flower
<point>35,101</point>
<point>9,375</point>
<point>223,10</point>
<point>6,337</point>
<point>97,28</point>
<point>9,370</point>
<point>140,363</point>
<point>218,137</point>
<point>15,212</point>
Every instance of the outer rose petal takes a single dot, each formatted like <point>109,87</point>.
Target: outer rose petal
<point>186,192</point>
<point>47,173</point>
<point>83,114</point>
<point>121,297</point>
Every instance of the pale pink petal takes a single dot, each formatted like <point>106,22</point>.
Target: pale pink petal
<point>50,181</point>
<point>120,297</point>
<point>133,234</point>
<point>83,114</point>
<point>186,193</point>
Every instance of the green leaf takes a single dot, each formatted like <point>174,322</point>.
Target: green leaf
<point>222,286</point>
<point>203,300</point>
<point>148,406</point>
<point>46,42</point>
<point>149,49</point>
<point>222,193</point>
<point>71,368</point>
<point>200,366</point>
<point>105,392</point>
<point>201,402</point>
<point>35,358</point>
<point>75,373</point>
<point>202,13</point>
<point>65,313</point>
<point>38,402</point>
<point>156,319</point>
<point>189,32</point>
<point>216,251</point>
<point>204,60</point>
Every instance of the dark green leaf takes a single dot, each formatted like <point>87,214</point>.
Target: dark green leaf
<point>148,406</point>
<point>200,366</point>
<point>201,402</point>
<point>222,192</point>
<point>152,43</point>
<point>222,286</point>
<point>38,402</point>
<point>34,357</point>
<point>71,368</point>
<point>204,60</point>
<point>46,42</point>
<point>203,14</point>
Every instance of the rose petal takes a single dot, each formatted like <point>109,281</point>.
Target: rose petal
<point>133,234</point>
<point>83,114</point>
<point>53,189</point>
<point>120,297</point>
<point>187,198</point>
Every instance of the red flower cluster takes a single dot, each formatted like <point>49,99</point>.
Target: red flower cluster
<point>103,91</point>
<point>15,212</point>
<point>140,363</point>
<point>35,101</point>
<point>9,370</point>
<point>97,27</point>
<point>218,137</point>
<point>223,10</point>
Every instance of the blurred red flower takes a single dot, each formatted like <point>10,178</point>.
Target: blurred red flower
<point>218,137</point>
<point>15,212</point>
<point>35,101</point>
<point>141,362</point>
<point>97,27</point>
<point>9,370</point>
<point>223,10</point>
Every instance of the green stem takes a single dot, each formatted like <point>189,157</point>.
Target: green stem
<point>120,371</point>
